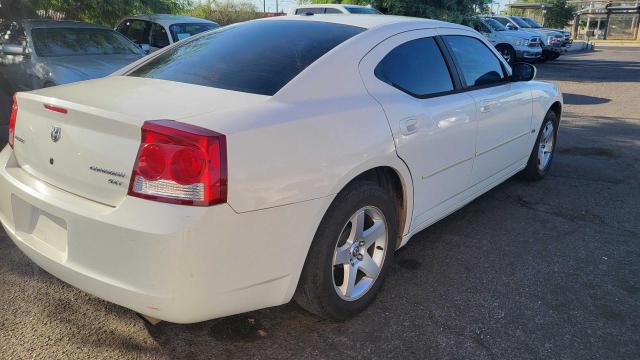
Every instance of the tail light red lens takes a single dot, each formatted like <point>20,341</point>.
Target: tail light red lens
<point>181,164</point>
<point>12,120</point>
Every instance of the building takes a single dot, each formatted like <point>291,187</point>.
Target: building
<point>594,19</point>
<point>607,20</point>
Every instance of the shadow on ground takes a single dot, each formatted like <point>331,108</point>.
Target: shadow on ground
<point>525,271</point>
<point>577,99</point>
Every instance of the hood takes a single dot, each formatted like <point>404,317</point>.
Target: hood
<point>520,34</point>
<point>543,31</point>
<point>66,69</point>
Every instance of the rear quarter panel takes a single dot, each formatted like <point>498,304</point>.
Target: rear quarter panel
<point>311,138</point>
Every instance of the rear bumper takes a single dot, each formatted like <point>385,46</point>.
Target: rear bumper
<point>175,263</point>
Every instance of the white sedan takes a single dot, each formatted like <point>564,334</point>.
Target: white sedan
<point>273,159</point>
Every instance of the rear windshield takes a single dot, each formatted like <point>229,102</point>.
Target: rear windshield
<point>258,57</point>
<point>183,31</point>
<point>50,42</point>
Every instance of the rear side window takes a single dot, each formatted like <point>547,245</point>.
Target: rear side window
<point>183,31</point>
<point>417,68</point>
<point>258,57</point>
<point>362,10</point>
<point>310,11</point>
<point>158,36</point>
<point>136,30</point>
<point>479,65</point>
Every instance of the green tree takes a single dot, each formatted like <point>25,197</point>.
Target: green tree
<point>459,11</point>
<point>104,12</point>
<point>559,14</point>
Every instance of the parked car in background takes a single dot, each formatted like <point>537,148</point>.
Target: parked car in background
<point>42,53</point>
<point>153,32</point>
<point>332,9</point>
<point>552,41</point>
<point>513,45</point>
<point>536,25</point>
<point>232,172</point>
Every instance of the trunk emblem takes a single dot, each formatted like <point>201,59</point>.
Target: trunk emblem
<point>56,133</point>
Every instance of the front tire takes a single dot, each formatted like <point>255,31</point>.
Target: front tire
<point>350,253</point>
<point>507,53</point>
<point>543,149</point>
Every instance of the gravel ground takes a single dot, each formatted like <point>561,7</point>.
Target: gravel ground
<point>529,270</point>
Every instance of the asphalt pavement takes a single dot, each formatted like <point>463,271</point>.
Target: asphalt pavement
<point>530,270</point>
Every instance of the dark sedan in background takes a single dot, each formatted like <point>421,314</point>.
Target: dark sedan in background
<point>42,53</point>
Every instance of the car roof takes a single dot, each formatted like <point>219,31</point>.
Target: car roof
<point>168,19</point>
<point>39,24</point>
<point>368,21</point>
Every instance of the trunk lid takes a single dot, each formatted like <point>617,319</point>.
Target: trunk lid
<point>90,150</point>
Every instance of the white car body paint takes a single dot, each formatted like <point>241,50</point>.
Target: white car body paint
<point>288,155</point>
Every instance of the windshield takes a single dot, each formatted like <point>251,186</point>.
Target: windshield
<point>51,42</point>
<point>183,31</point>
<point>533,23</point>
<point>494,25</point>
<point>258,57</point>
<point>521,23</point>
<point>362,10</point>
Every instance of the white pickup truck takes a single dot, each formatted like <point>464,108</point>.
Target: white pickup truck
<point>513,45</point>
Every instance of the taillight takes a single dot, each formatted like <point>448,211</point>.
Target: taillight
<point>12,120</point>
<point>181,164</point>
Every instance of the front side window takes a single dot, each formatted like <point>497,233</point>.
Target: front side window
<point>493,24</point>
<point>534,24</point>
<point>417,68</point>
<point>521,23</point>
<point>481,27</point>
<point>256,57</point>
<point>183,31</point>
<point>503,21</point>
<point>332,11</point>
<point>52,42</point>
<point>478,64</point>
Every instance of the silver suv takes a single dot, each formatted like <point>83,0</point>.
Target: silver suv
<point>536,25</point>
<point>513,45</point>
<point>552,41</point>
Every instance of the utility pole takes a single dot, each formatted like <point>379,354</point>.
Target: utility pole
<point>264,6</point>
<point>276,6</point>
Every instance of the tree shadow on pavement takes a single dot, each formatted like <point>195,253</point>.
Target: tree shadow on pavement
<point>590,70</point>
<point>577,99</point>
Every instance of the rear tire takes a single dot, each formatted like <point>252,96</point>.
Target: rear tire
<point>543,149</point>
<point>345,267</point>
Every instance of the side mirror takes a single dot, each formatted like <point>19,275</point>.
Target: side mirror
<point>523,72</point>
<point>146,48</point>
<point>511,27</point>
<point>13,49</point>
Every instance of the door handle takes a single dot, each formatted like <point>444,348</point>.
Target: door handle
<point>409,125</point>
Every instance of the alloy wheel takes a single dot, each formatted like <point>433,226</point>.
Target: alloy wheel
<point>545,149</point>
<point>359,253</point>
